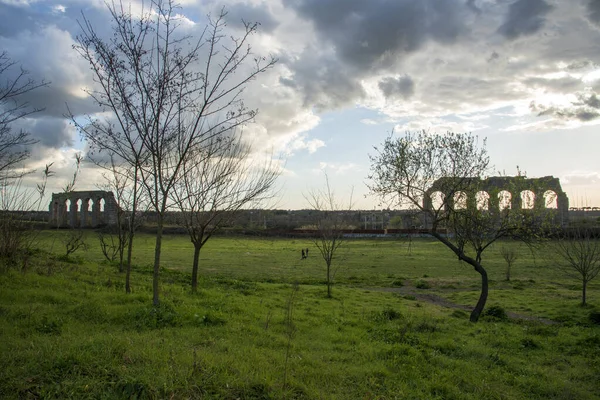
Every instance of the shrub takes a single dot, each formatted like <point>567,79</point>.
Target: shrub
<point>397,283</point>
<point>496,312</point>
<point>156,317</point>
<point>420,284</point>
<point>387,314</point>
<point>594,317</point>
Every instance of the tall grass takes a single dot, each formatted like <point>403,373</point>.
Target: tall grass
<point>70,331</point>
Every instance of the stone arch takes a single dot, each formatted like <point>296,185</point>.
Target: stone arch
<point>505,200</point>
<point>550,199</point>
<point>83,209</point>
<point>528,198</point>
<point>460,200</point>
<point>436,199</point>
<point>482,200</point>
<point>505,192</point>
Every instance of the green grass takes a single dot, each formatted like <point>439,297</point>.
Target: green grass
<point>69,331</point>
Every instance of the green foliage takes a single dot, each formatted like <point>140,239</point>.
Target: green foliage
<point>595,317</point>
<point>387,314</point>
<point>156,317</point>
<point>421,284</point>
<point>75,334</point>
<point>496,313</point>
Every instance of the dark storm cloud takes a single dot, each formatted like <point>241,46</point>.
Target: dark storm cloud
<point>324,82</point>
<point>402,86</point>
<point>252,13</point>
<point>373,34</point>
<point>593,8</point>
<point>524,17</point>
<point>49,132</point>
<point>586,108</point>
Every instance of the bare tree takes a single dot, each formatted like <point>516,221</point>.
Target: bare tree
<point>14,147</point>
<point>510,255</point>
<point>16,201</point>
<point>220,180</point>
<point>170,94</point>
<point>578,254</point>
<point>114,240</point>
<point>331,222</point>
<point>405,169</point>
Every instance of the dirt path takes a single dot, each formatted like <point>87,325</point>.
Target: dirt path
<point>422,295</point>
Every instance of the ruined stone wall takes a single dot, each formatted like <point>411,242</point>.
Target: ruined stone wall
<point>495,188</point>
<point>83,209</point>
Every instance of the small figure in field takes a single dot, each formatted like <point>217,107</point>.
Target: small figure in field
<point>303,255</point>
<point>306,252</point>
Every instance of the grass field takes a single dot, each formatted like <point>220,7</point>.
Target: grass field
<point>69,331</point>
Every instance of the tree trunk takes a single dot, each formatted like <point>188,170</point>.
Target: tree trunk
<point>508,272</point>
<point>131,231</point>
<point>329,281</point>
<point>195,268</point>
<point>583,294</point>
<point>483,296</point>
<point>157,249</point>
<point>128,271</point>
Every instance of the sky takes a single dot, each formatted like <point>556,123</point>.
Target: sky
<point>523,74</point>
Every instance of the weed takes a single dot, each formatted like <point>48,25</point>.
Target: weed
<point>421,284</point>
<point>594,317</point>
<point>49,327</point>
<point>528,343</point>
<point>398,283</point>
<point>459,314</point>
<point>495,313</point>
<point>156,317</point>
<point>387,314</point>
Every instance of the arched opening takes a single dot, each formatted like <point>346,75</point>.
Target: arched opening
<point>504,200</point>
<point>482,200</point>
<point>527,199</point>
<point>102,203</point>
<point>550,199</point>
<point>460,200</point>
<point>78,205</point>
<point>68,205</point>
<point>437,200</point>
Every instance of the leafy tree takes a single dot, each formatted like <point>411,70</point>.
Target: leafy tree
<point>169,93</point>
<point>405,170</point>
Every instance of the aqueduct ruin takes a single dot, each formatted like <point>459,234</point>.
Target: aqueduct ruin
<point>498,193</point>
<point>83,209</point>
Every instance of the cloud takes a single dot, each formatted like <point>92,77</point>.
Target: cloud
<point>524,17</point>
<point>252,13</point>
<point>585,108</point>
<point>593,9</point>
<point>439,125</point>
<point>400,87</point>
<point>354,39</point>
<point>301,143</point>
<point>337,168</point>
<point>372,34</point>
<point>581,178</point>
